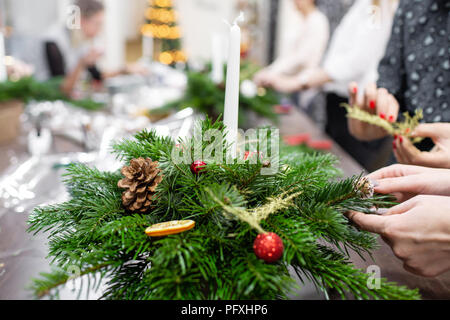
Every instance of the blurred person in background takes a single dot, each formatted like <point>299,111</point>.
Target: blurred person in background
<point>72,52</point>
<point>306,46</point>
<point>357,46</point>
<point>414,74</point>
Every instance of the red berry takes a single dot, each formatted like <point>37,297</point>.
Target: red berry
<point>268,247</point>
<point>197,166</point>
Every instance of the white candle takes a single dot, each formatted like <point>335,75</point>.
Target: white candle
<point>217,58</point>
<point>3,74</point>
<point>147,47</point>
<point>230,117</point>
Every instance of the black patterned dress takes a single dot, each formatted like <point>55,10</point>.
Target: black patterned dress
<point>416,66</point>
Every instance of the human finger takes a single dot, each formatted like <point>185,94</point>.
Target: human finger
<point>382,101</point>
<point>368,222</point>
<point>370,98</point>
<point>393,109</point>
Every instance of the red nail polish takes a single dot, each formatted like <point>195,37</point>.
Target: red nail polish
<point>382,116</point>
<point>355,89</point>
<point>372,104</point>
<point>395,137</point>
<point>391,118</point>
<point>401,139</point>
<point>394,145</point>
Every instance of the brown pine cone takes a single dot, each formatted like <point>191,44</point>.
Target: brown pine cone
<point>141,179</point>
<point>364,188</point>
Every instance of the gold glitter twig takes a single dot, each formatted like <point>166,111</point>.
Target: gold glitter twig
<point>404,128</point>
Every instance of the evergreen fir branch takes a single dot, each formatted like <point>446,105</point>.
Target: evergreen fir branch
<point>28,89</point>
<point>303,203</point>
<point>57,278</point>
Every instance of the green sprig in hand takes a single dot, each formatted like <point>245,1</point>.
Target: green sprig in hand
<point>404,128</point>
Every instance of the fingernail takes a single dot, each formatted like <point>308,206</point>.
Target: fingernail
<point>395,137</point>
<point>401,139</point>
<point>372,104</point>
<point>391,118</point>
<point>382,116</point>
<point>382,210</point>
<point>374,182</point>
<point>394,145</point>
<point>355,89</point>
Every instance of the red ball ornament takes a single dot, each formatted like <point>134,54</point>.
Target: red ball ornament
<point>268,246</point>
<point>197,167</point>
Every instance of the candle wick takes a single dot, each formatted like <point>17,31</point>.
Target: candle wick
<point>239,18</point>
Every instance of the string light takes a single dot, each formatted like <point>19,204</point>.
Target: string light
<point>161,31</point>
<point>169,57</point>
<point>163,3</point>
<point>161,15</point>
<point>165,57</point>
<point>162,25</point>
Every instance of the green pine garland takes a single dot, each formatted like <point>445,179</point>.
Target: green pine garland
<point>206,97</point>
<point>215,260</point>
<point>27,89</point>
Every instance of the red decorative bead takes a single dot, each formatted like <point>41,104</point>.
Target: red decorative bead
<point>268,247</point>
<point>197,166</point>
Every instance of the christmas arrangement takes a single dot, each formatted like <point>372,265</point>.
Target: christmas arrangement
<point>207,97</point>
<point>404,128</point>
<point>208,228</point>
<point>27,89</point>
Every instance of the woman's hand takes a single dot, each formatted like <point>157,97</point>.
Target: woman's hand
<point>262,77</point>
<point>405,182</point>
<point>438,157</point>
<point>418,231</point>
<point>285,84</point>
<point>137,68</point>
<point>375,101</point>
<point>91,57</point>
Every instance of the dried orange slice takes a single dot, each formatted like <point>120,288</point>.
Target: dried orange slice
<point>170,227</point>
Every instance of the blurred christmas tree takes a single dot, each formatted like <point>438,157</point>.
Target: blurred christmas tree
<point>161,18</point>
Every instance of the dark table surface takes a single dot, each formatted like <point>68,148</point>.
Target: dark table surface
<point>22,256</point>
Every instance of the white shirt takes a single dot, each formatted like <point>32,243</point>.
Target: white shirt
<point>71,44</point>
<point>358,45</point>
<point>306,46</point>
